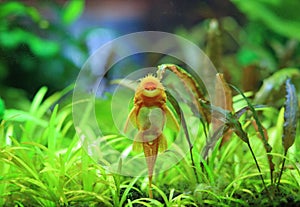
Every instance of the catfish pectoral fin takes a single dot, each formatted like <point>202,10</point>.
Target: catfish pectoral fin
<point>138,142</point>
<point>162,143</point>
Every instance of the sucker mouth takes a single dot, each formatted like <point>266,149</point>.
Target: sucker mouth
<point>151,93</point>
<point>150,86</point>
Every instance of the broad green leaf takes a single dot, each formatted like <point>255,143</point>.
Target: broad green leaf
<point>12,7</point>
<point>43,47</point>
<point>274,83</point>
<point>12,38</point>
<point>18,8</point>
<point>290,116</point>
<point>40,47</point>
<point>273,14</point>
<point>72,11</point>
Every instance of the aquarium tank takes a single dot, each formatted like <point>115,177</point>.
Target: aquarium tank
<point>149,103</point>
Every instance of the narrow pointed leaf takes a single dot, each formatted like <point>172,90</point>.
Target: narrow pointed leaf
<point>290,121</point>
<point>179,112</point>
<point>261,131</point>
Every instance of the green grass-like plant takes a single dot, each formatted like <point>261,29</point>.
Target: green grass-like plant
<point>43,164</point>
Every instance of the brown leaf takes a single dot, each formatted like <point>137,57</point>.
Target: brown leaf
<point>257,131</point>
<point>222,102</point>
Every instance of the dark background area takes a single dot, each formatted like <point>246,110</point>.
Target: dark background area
<point>57,66</point>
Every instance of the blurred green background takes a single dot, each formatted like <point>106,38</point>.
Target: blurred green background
<point>45,43</point>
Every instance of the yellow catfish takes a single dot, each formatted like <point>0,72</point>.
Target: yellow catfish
<point>149,115</point>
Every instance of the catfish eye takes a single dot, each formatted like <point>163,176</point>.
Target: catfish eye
<point>150,86</point>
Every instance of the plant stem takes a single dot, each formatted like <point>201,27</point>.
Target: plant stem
<point>258,168</point>
<point>281,171</point>
<point>190,145</point>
